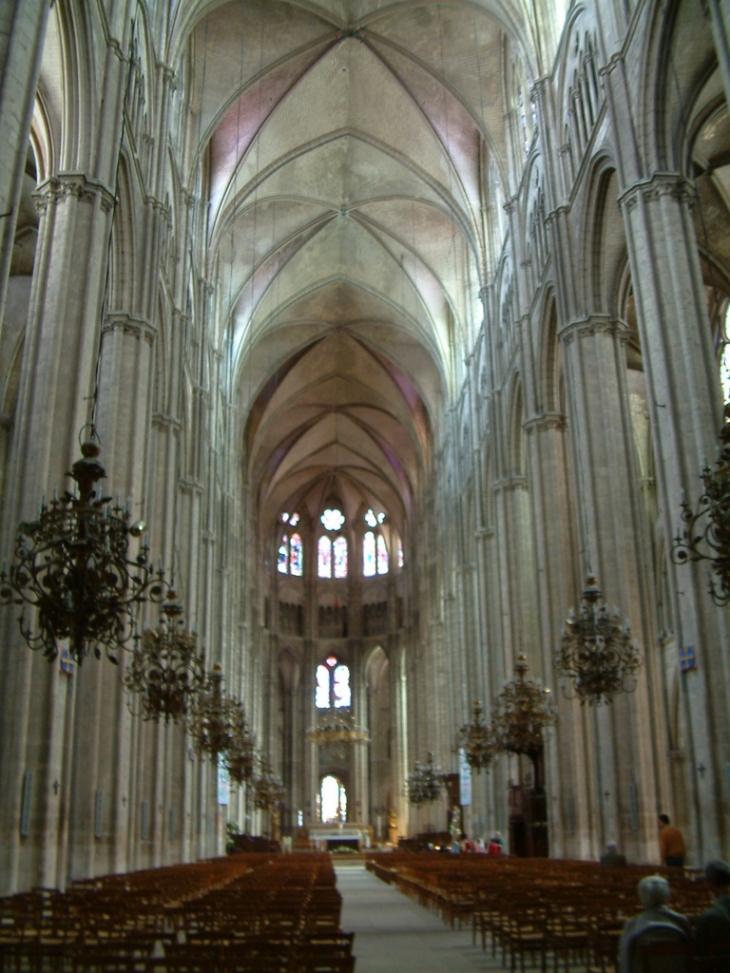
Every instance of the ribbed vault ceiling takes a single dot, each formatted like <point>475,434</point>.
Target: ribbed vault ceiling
<point>347,148</point>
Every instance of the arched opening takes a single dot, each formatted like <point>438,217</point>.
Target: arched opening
<point>332,800</point>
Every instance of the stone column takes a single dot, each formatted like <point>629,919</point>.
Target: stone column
<point>57,379</point>
<point>613,544</point>
<point>720,20</point>
<point>678,354</point>
<point>568,768</point>
<point>104,777</point>
<point>22,32</point>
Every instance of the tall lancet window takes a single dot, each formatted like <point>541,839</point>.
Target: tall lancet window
<point>332,554</point>
<point>332,690</point>
<point>374,548</point>
<point>290,556</point>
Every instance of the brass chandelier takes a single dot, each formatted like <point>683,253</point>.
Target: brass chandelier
<point>337,729</point>
<point>706,534</point>
<point>166,673</point>
<point>215,717</point>
<point>477,740</point>
<point>596,653</point>
<point>240,758</point>
<point>73,568</point>
<point>268,789</point>
<point>425,783</point>
<point>521,712</point>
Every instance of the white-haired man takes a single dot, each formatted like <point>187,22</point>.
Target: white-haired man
<point>656,923</point>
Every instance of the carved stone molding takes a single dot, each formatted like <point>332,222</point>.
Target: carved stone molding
<point>72,184</point>
<point>509,484</point>
<point>592,325</point>
<point>128,324</point>
<point>190,486</point>
<point>166,422</point>
<point>660,184</point>
<point>551,420</point>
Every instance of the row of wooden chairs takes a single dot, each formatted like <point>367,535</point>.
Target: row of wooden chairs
<point>257,913</point>
<point>544,913</point>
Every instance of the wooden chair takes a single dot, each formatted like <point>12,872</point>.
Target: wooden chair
<point>661,948</point>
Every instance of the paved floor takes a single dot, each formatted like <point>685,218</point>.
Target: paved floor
<point>393,934</point>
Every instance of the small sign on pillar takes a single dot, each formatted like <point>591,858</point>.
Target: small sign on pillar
<point>687,658</point>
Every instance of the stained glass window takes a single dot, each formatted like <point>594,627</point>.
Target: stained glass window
<point>382,555</point>
<point>296,556</point>
<point>725,359</point>
<point>340,556</point>
<point>341,686</point>
<point>333,685</point>
<point>368,554</point>
<point>333,800</point>
<point>283,556</point>
<point>324,557</point>
<point>290,555</point>
<point>332,519</point>
<point>400,553</point>
<point>322,690</point>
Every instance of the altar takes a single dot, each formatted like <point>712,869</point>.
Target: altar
<point>327,837</point>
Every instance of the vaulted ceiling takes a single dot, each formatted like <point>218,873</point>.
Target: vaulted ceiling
<point>348,149</point>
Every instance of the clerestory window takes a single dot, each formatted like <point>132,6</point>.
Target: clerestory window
<point>332,554</point>
<point>333,685</point>
<point>374,548</point>
<point>290,556</point>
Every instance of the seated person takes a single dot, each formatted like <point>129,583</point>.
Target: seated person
<point>657,921</point>
<point>712,928</point>
<point>612,857</point>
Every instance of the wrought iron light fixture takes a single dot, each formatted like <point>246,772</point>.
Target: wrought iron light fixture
<point>425,783</point>
<point>477,740</point>
<point>596,653</point>
<point>215,718</point>
<point>166,672</point>
<point>521,712</point>
<point>73,568</point>
<point>268,790</point>
<point>706,534</point>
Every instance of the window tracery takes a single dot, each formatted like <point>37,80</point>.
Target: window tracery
<point>374,548</point>
<point>332,554</point>
<point>290,555</point>
<point>332,689</point>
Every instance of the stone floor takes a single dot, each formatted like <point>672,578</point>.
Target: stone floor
<point>393,934</point>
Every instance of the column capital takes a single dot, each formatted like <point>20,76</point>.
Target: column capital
<point>550,420</point>
<point>129,324</point>
<point>660,184</point>
<point>72,184</point>
<point>594,324</point>
<point>510,483</point>
<point>170,423</point>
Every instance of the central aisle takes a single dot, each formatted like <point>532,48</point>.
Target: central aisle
<point>393,934</point>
